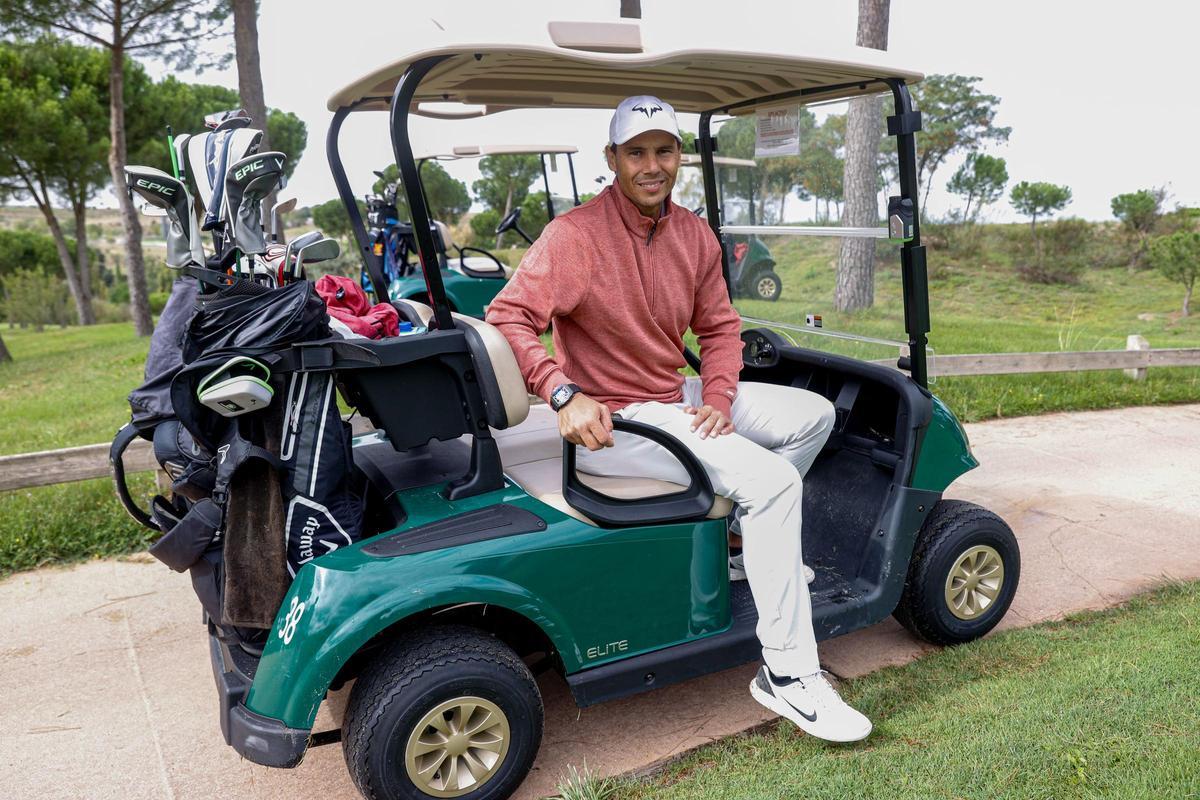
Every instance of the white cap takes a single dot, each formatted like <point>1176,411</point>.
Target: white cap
<point>638,114</point>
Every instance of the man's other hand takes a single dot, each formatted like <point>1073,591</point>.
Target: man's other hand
<point>584,421</point>
<point>709,421</point>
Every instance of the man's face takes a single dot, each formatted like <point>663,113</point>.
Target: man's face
<point>645,167</point>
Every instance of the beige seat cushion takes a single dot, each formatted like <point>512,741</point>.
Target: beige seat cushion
<point>532,456</point>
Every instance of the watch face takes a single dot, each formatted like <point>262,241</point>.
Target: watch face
<point>561,395</point>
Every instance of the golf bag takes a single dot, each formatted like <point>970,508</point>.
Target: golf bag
<point>256,495</point>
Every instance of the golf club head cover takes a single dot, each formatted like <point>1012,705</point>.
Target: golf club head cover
<point>208,157</point>
<point>160,190</point>
<point>247,182</point>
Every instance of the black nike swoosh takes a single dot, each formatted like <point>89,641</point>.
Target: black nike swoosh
<point>810,718</point>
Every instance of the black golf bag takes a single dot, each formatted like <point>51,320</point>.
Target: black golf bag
<point>257,495</point>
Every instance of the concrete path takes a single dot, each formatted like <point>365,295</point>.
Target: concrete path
<point>109,694</point>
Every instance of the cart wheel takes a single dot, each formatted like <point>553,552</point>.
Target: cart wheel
<point>766,286</point>
<point>963,574</point>
<point>443,712</point>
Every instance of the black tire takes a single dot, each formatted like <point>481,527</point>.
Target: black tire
<point>411,677</point>
<point>765,285</point>
<point>952,529</point>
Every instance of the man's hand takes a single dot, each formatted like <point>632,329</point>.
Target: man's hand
<point>709,421</point>
<point>584,421</point>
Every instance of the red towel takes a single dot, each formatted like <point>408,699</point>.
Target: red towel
<point>346,301</point>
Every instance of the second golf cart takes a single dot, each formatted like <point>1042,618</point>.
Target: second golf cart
<point>471,276</point>
<point>750,265</point>
<point>487,557</point>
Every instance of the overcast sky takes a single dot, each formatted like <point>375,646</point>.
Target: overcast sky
<point>1094,92</point>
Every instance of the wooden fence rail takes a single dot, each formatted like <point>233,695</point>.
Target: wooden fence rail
<point>91,461</point>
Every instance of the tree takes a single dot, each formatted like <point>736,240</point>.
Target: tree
<point>168,29</point>
<point>53,140</point>
<point>250,86</point>
<point>447,196</point>
<point>981,180</point>
<point>4,354</point>
<point>505,182</point>
<point>1139,212</point>
<point>331,219</point>
<point>1037,199</point>
<point>955,117</point>
<point>184,106</point>
<point>1178,258</point>
<point>855,286</point>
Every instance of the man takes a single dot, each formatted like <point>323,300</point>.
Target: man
<point>622,277</point>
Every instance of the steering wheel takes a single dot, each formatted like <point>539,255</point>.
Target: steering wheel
<point>510,221</point>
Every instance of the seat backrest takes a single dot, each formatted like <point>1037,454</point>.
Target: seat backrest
<point>499,376</point>
<point>444,231</point>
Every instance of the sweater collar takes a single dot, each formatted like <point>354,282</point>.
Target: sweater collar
<point>635,221</point>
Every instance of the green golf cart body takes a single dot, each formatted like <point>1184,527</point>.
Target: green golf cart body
<point>487,555</point>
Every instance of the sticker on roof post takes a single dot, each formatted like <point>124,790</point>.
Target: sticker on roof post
<point>777,132</point>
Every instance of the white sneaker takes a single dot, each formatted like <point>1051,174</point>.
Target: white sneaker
<point>737,569</point>
<point>812,704</point>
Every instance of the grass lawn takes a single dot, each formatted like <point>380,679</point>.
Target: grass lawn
<point>1102,705</point>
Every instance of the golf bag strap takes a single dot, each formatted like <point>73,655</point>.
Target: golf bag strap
<point>124,436</point>
<point>188,539</point>
<point>231,454</point>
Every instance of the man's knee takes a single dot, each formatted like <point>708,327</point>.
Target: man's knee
<point>778,481</point>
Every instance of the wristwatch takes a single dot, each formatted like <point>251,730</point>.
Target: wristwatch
<point>562,395</point>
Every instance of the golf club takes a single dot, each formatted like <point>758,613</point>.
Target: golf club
<point>321,250</point>
<point>277,211</point>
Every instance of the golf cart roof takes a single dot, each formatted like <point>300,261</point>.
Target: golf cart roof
<point>480,150</point>
<point>693,160</point>
<point>498,77</point>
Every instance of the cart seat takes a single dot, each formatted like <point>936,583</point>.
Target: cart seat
<point>530,446</point>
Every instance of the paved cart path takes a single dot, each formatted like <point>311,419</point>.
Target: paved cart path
<point>108,691</point>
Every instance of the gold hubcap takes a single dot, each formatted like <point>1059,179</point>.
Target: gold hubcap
<point>766,287</point>
<point>457,747</point>
<point>974,582</point>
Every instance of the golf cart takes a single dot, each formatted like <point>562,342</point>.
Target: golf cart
<point>470,281</point>
<point>751,268</point>
<point>486,557</point>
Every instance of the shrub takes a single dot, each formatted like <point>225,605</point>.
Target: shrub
<point>32,298</point>
<point>111,312</point>
<point>158,300</point>
<point>483,228</point>
<point>1060,253</point>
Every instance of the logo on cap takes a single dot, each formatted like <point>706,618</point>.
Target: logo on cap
<point>649,112</point>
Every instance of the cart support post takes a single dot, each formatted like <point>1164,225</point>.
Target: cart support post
<point>705,145</point>
<point>373,263</point>
<point>574,188</point>
<point>406,87</point>
<point>904,126</point>
<point>546,185</point>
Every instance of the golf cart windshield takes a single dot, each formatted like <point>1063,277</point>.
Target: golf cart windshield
<point>781,205</point>
<point>718,85</point>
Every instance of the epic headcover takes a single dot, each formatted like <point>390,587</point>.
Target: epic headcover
<point>160,190</point>
<point>247,182</point>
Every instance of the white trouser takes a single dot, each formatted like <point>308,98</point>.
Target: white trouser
<point>779,432</point>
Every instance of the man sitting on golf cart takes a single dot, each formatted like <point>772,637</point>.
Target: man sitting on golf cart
<point>622,277</point>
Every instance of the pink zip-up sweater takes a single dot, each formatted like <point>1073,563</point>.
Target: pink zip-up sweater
<point>621,290</point>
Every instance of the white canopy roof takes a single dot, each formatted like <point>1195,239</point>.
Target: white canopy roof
<point>480,150</point>
<point>500,77</point>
